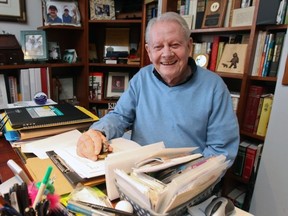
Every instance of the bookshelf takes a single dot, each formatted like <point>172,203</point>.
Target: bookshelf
<point>241,82</point>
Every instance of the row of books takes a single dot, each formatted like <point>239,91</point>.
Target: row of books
<point>24,85</point>
<point>247,160</point>
<point>257,112</point>
<point>267,54</point>
<point>224,54</point>
<point>198,13</point>
<point>231,13</point>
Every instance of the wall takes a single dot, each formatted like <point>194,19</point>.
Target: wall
<point>34,19</point>
<point>271,191</point>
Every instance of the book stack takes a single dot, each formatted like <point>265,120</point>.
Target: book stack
<point>165,181</point>
<point>24,123</point>
<point>247,160</point>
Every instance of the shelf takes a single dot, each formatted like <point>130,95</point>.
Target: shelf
<point>113,65</point>
<point>61,27</point>
<point>123,21</point>
<point>254,136</point>
<point>269,79</point>
<point>230,75</point>
<point>221,30</point>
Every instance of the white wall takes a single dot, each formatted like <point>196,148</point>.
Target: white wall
<point>34,19</point>
<point>270,196</point>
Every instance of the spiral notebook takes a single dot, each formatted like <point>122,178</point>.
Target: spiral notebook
<point>48,116</point>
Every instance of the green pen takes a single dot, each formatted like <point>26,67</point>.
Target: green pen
<point>42,187</point>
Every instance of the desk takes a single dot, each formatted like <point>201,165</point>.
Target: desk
<point>7,152</point>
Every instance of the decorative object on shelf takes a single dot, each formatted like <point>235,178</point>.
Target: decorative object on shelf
<point>202,60</point>
<point>61,13</point>
<point>34,45</point>
<point>117,83</point>
<point>54,51</point>
<point>13,11</point>
<point>214,14</point>
<point>233,58</point>
<point>243,16</point>
<point>10,50</point>
<point>102,10</point>
<point>70,56</point>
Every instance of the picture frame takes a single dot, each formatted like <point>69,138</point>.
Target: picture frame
<point>233,58</point>
<point>102,10</point>
<point>117,83</point>
<point>54,51</point>
<point>61,13</point>
<point>66,90</point>
<point>34,45</point>
<point>13,11</point>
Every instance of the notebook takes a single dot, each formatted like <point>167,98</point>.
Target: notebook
<point>48,116</point>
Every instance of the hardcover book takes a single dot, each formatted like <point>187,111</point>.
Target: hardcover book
<point>252,104</point>
<point>47,116</point>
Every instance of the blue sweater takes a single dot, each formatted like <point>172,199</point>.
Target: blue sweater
<point>196,113</point>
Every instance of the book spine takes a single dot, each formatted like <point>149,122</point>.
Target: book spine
<point>262,59</point>
<point>240,158</point>
<point>25,85</point>
<point>264,116</point>
<point>214,53</point>
<point>253,100</point>
<point>44,80</point>
<point>268,56</point>
<point>258,53</point>
<point>279,38</point>
<point>258,115</point>
<point>201,4</point>
<point>249,162</point>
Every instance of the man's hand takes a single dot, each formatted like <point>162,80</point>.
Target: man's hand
<point>90,144</point>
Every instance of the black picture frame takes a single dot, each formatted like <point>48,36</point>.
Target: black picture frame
<point>13,11</point>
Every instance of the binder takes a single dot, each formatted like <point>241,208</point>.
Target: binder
<point>48,116</point>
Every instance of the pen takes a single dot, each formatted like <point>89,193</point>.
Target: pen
<point>42,186</point>
<point>104,208</point>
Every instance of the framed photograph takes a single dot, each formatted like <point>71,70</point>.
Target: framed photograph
<point>34,45</point>
<point>102,9</point>
<point>54,51</point>
<point>61,13</point>
<point>117,83</point>
<point>14,11</point>
<point>66,90</point>
<point>233,58</point>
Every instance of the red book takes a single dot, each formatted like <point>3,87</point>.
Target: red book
<point>251,110</point>
<point>44,80</point>
<point>249,162</point>
<point>214,53</point>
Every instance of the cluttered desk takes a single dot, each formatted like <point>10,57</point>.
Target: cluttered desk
<point>57,177</point>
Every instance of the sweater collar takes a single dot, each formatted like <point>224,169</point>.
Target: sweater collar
<point>191,63</point>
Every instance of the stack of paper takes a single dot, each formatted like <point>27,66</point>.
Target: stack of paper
<point>158,197</point>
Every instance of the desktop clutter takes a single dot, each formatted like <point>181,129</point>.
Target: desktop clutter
<point>145,180</point>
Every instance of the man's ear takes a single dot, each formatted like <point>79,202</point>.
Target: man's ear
<point>148,51</point>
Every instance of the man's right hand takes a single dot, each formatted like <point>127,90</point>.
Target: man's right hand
<point>89,144</point>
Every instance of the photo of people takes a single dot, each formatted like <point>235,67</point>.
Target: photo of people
<point>117,84</point>
<point>102,10</point>
<point>33,45</point>
<point>62,13</point>
<point>54,51</point>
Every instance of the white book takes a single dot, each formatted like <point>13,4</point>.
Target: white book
<point>32,82</point>
<point>25,85</point>
<point>3,92</point>
<point>38,85</point>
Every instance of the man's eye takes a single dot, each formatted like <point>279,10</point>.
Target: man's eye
<point>175,46</point>
<point>157,47</point>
